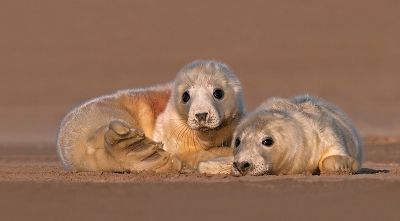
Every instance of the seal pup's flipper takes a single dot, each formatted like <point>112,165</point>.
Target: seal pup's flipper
<point>216,160</point>
<point>338,163</point>
<point>135,151</point>
<point>218,165</point>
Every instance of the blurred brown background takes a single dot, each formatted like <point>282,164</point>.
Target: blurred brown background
<point>55,55</point>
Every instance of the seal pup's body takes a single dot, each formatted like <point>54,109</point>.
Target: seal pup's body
<point>293,136</point>
<point>164,128</point>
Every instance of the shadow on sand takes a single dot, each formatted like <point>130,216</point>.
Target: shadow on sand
<point>371,171</point>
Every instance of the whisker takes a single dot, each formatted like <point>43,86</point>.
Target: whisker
<point>177,129</point>
<point>180,78</point>
<point>190,80</point>
<point>182,134</point>
<point>187,136</point>
<point>180,119</point>
<point>178,137</point>
<point>200,142</point>
<point>193,133</point>
<point>269,167</point>
<point>216,79</point>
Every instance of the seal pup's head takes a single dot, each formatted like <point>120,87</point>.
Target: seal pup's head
<point>207,95</point>
<point>265,138</point>
<point>204,108</point>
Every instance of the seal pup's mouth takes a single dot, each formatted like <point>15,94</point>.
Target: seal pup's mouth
<point>204,129</point>
<point>207,128</point>
<point>203,126</point>
<point>243,168</point>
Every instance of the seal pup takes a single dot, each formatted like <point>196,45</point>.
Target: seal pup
<point>164,128</point>
<point>293,136</point>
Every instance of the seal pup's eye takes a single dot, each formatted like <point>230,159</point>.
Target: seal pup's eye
<point>218,93</point>
<point>237,142</point>
<point>268,142</point>
<point>185,97</point>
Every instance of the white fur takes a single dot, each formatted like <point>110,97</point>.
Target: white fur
<point>83,142</point>
<point>178,126</point>
<point>306,130</point>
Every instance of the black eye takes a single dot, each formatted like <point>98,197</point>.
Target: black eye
<point>219,94</point>
<point>185,97</point>
<point>268,142</point>
<point>237,142</point>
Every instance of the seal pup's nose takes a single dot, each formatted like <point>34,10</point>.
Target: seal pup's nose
<point>201,117</point>
<point>242,167</point>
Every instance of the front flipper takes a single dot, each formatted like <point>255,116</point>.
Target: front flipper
<point>218,165</point>
<point>135,151</point>
<point>193,160</point>
<point>119,135</point>
<point>339,163</point>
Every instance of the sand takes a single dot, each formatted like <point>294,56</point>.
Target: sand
<point>55,55</point>
<point>34,186</point>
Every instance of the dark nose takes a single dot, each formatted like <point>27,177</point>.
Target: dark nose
<point>242,167</point>
<point>201,117</point>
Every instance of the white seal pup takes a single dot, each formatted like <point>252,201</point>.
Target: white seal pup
<point>164,128</point>
<point>293,136</point>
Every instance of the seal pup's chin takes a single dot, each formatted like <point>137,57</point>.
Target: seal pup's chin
<point>204,128</point>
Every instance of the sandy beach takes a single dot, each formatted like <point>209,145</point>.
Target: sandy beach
<point>57,54</point>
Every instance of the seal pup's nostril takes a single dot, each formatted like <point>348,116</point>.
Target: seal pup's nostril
<point>201,117</point>
<point>242,167</point>
<point>246,165</point>
<point>235,165</point>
